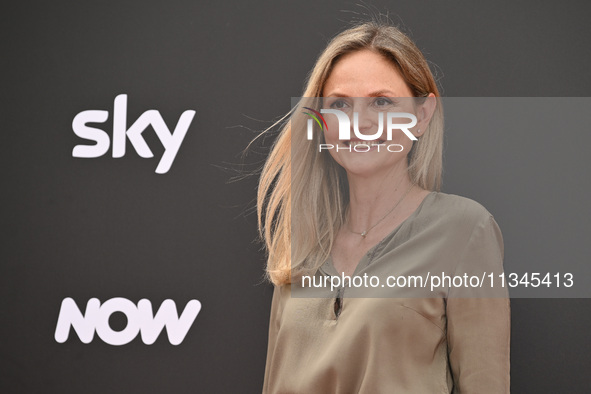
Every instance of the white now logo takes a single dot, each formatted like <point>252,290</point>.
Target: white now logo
<point>170,141</point>
<point>139,319</point>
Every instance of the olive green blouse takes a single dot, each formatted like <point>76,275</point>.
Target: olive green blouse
<point>453,341</point>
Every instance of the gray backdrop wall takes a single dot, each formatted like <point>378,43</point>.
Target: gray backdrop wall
<point>111,227</point>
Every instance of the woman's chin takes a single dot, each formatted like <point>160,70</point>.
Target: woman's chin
<point>364,168</point>
<point>369,164</point>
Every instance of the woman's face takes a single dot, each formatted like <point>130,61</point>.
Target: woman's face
<point>366,83</point>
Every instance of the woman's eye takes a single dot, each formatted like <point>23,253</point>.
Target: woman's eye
<point>339,104</point>
<point>382,101</point>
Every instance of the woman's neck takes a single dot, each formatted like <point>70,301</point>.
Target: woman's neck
<point>373,197</point>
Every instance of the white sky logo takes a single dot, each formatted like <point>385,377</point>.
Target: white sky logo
<point>170,141</point>
<point>140,319</point>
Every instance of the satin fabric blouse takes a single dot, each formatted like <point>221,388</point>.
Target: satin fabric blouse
<point>453,342</point>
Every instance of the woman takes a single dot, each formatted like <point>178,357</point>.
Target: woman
<point>355,210</point>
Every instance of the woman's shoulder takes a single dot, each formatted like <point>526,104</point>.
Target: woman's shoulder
<point>451,208</point>
<point>457,220</point>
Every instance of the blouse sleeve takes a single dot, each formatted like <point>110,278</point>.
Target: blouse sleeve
<point>274,322</point>
<point>478,327</point>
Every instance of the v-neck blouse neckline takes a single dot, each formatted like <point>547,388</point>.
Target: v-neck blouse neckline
<point>328,267</point>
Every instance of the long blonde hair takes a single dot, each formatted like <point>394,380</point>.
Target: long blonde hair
<point>315,186</point>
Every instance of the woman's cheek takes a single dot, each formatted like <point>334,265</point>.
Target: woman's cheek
<point>331,135</point>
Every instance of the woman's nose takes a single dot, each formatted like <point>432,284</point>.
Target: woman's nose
<point>362,117</point>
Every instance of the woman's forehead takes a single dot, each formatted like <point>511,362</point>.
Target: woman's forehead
<point>365,73</point>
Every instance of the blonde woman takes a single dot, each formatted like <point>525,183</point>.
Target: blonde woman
<point>358,211</point>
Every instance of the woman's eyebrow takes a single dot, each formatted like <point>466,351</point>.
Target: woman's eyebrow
<point>382,93</point>
<point>336,94</point>
<point>377,93</point>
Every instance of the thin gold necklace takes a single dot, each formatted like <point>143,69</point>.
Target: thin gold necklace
<point>364,233</point>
